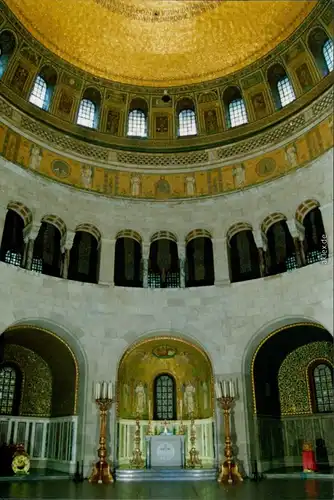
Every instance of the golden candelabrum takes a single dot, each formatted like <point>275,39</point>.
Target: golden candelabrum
<point>193,460</point>
<point>101,472</point>
<point>226,396</point>
<point>137,461</point>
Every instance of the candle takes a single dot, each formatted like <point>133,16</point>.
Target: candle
<point>109,390</point>
<point>224,389</point>
<point>149,409</point>
<point>97,390</point>
<point>180,409</point>
<point>231,389</point>
<point>104,390</point>
<point>218,390</point>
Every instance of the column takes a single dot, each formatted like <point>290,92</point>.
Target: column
<point>29,249</point>
<point>145,257</point>
<point>181,250</point>
<point>301,242</point>
<point>261,243</point>
<point>295,235</point>
<point>220,258</point>
<point>107,261</point>
<point>67,248</point>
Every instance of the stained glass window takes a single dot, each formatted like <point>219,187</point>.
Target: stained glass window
<point>237,113</point>
<point>324,391</point>
<point>187,123</point>
<point>7,390</point>
<point>164,398</point>
<point>328,52</point>
<point>285,91</point>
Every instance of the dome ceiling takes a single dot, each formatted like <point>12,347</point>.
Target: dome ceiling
<point>160,42</point>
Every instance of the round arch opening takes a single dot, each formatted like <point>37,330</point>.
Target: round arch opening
<point>164,383</point>
<point>44,416</point>
<point>282,397</point>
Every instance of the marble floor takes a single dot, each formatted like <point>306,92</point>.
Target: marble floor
<point>270,489</point>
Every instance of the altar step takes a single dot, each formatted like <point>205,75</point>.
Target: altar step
<point>167,474</point>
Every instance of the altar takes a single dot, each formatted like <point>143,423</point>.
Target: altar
<point>165,451</point>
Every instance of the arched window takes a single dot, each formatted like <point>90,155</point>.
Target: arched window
<point>328,52</point>
<point>244,257</point>
<point>315,241</point>
<point>285,91</point>
<point>86,115</point>
<point>187,123</point>
<point>7,47</point>
<point>163,264</point>
<point>280,85</point>
<point>12,243</point>
<point>199,262</point>
<point>323,388</point>
<point>84,258</point>
<point>322,50</point>
<point>47,253</point>
<point>137,125</point>
<point>164,398</point>
<point>281,253</point>
<point>128,266</point>
<point>137,118</point>
<point>10,381</point>
<point>38,93</point>
<point>43,88</point>
<point>234,107</point>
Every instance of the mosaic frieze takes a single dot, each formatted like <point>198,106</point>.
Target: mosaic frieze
<point>220,180</point>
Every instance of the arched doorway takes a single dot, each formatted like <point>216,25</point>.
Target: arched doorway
<point>44,413</point>
<point>284,402</point>
<point>164,380</point>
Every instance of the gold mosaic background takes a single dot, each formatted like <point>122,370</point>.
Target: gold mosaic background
<point>122,40</point>
<point>36,392</point>
<point>293,377</point>
<point>141,365</point>
<point>215,181</point>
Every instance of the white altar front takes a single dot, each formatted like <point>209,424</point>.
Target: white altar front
<point>165,451</point>
<point>204,439</point>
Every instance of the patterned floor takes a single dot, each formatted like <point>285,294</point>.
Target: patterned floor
<point>270,489</point>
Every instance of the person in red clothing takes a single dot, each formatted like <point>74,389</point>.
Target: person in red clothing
<point>309,464</point>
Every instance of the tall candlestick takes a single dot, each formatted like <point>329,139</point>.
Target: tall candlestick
<point>180,409</point>
<point>149,409</point>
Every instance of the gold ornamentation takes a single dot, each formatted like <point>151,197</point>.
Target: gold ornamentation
<point>137,461</point>
<point>145,42</point>
<point>194,460</point>
<point>101,472</point>
<point>305,323</point>
<point>21,461</point>
<point>229,471</point>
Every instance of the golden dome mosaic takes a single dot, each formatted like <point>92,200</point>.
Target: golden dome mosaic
<point>161,43</point>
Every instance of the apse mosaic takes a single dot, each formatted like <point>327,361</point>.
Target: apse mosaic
<point>169,186</point>
<point>145,363</point>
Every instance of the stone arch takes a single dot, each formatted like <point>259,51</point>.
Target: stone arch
<point>304,208</point>
<point>258,339</point>
<point>21,210</point>
<point>57,222</point>
<point>270,220</point>
<point>70,337</point>
<point>91,229</point>
<point>236,228</point>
